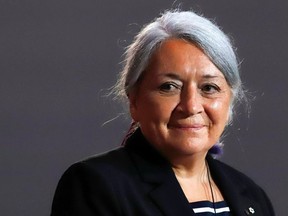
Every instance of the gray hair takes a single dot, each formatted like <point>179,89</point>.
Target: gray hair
<point>185,25</point>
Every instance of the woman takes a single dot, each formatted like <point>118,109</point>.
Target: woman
<point>181,81</point>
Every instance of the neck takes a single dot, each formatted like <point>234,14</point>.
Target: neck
<point>195,180</point>
<point>190,167</point>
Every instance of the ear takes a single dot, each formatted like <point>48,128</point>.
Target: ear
<point>133,107</point>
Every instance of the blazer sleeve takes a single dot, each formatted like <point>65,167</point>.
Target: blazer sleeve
<point>84,191</point>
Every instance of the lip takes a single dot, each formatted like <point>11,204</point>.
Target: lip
<point>193,127</point>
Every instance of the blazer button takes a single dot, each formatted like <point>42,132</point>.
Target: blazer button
<point>250,211</point>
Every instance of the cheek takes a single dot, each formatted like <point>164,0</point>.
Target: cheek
<point>219,111</point>
<point>156,109</point>
<point>159,109</point>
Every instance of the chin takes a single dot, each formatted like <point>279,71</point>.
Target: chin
<point>189,148</point>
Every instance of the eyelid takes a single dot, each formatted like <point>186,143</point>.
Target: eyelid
<point>175,82</point>
<point>213,85</point>
<point>176,85</point>
<point>216,88</point>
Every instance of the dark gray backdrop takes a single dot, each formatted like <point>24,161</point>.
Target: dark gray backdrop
<point>57,57</point>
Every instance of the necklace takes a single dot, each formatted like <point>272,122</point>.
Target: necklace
<point>211,188</point>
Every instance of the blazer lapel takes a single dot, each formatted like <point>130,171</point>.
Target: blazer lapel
<point>156,171</point>
<point>171,200</point>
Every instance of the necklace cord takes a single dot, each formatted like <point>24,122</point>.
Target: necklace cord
<point>210,185</point>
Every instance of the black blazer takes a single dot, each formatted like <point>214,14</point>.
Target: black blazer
<point>136,180</point>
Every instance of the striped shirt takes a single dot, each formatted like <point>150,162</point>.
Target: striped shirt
<point>206,208</point>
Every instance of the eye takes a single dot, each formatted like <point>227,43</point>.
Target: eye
<point>210,88</point>
<point>169,87</point>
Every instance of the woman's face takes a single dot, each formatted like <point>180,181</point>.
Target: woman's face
<point>182,101</point>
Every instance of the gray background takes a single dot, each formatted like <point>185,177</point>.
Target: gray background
<point>59,57</point>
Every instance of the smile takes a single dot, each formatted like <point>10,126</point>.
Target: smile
<point>191,127</point>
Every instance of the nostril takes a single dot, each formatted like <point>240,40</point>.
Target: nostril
<point>191,105</point>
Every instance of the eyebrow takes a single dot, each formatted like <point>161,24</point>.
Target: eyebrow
<point>208,76</point>
<point>205,76</point>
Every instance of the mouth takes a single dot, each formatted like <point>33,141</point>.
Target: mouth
<point>190,127</point>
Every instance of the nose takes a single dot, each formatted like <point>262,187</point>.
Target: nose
<point>191,101</point>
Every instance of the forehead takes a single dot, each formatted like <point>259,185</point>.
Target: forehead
<point>180,56</point>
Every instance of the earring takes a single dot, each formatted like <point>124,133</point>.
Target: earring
<point>216,150</point>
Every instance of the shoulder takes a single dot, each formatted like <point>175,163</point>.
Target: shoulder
<point>233,174</point>
<point>114,162</point>
<point>93,180</point>
<point>228,174</point>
